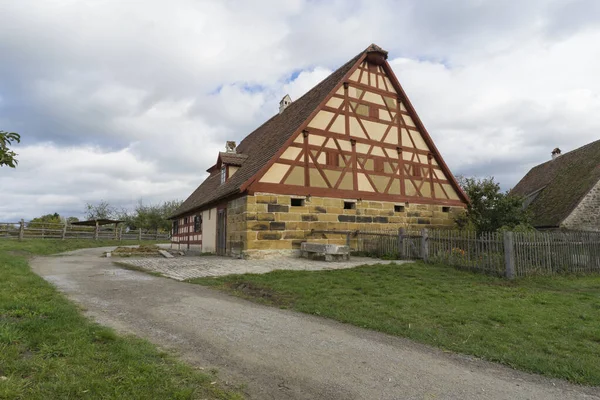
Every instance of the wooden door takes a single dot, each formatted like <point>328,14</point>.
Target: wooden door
<point>222,232</point>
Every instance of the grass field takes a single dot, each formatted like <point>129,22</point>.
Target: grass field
<point>48,350</point>
<point>549,326</point>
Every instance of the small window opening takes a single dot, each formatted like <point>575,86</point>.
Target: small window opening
<point>297,202</point>
<point>398,208</point>
<point>445,209</point>
<point>223,174</point>
<point>349,205</point>
<point>332,158</point>
<point>374,112</point>
<point>416,171</point>
<point>198,223</point>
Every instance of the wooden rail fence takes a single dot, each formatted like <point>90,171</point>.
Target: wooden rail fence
<point>41,230</point>
<point>509,254</point>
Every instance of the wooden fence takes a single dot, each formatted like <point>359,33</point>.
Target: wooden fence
<point>39,230</point>
<point>467,250</point>
<point>550,253</point>
<point>509,254</point>
<point>398,244</point>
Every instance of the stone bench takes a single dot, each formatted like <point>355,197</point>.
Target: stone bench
<point>324,252</point>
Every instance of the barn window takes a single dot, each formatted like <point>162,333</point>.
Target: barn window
<point>197,223</point>
<point>398,208</point>
<point>445,209</point>
<point>297,202</point>
<point>175,227</point>
<point>332,159</point>
<point>349,205</point>
<point>374,112</point>
<point>416,171</point>
<point>223,174</point>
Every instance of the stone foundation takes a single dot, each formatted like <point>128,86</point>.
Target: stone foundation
<point>267,225</point>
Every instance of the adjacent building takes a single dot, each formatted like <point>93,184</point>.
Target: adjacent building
<point>350,154</point>
<point>564,192</point>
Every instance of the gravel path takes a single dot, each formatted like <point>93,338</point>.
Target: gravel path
<point>280,354</point>
<point>182,268</point>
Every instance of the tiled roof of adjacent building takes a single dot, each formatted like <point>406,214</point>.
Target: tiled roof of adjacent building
<point>264,142</point>
<point>555,188</point>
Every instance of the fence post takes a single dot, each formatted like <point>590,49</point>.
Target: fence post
<point>509,255</point>
<point>424,245</point>
<point>64,232</point>
<point>21,229</point>
<point>401,233</point>
<point>139,234</point>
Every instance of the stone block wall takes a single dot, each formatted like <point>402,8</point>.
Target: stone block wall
<point>586,216</point>
<point>267,224</point>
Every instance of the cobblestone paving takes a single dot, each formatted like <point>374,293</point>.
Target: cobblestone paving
<point>182,268</point>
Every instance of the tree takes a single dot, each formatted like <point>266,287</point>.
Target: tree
<point>7,156</point>
<point>151,217</point>
<point>70,220</point>
<point>148,217</point>
<point>490,209</point>
<point>45,221</point>
<point>102,210</point>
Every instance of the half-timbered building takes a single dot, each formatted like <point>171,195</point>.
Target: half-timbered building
<point>350,154</point>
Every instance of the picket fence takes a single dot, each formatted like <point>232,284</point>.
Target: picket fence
<point>509,254</point>
<point>36,230</point>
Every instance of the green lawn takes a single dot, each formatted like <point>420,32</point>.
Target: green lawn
<point>48,350</point>
<point>549,326</point>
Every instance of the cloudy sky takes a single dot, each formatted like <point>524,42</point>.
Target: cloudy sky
<point>122,100</point>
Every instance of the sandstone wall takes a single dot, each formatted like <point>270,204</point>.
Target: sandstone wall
<point>586,216</point>
<point>265,224</point>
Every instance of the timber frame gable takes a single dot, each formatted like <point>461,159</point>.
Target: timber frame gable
<point>363,141</point>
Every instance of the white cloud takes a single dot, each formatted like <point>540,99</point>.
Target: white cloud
<point>118,100</point>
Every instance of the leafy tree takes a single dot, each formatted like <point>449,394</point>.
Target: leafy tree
<point>7,156</point>
<point>152,217</point>
<point>45,221</point>
<point>491,209</point>
<point>102,210</point>
<point>148,217</point>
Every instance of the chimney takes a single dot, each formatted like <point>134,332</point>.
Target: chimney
<point>230,146</point>
<point>284,103</point>
<point>556,153</point>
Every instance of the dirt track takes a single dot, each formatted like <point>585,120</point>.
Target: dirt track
<point>280,354</point>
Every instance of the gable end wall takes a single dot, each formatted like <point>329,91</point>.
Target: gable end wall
<point>586,216</point>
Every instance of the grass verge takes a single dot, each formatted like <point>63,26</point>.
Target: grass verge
<point>48,350</point>
<point>549,326</point>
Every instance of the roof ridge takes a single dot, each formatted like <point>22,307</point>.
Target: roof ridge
<point>568,153</point>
